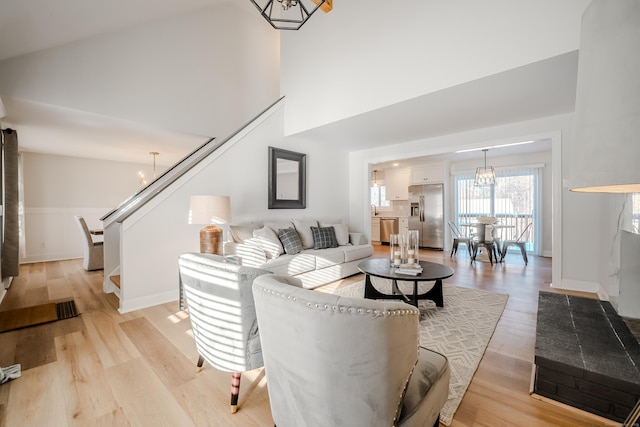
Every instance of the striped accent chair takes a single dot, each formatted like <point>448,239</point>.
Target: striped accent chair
<point>220,303</point>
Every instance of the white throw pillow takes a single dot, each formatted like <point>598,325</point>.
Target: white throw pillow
<point>278,225</point>
<point>240,233</point>
<point>342,232</point>
<point>303,227</point>
<point>269,242</point>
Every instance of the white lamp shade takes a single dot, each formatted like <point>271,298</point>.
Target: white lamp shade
<point>209,210</point>
<point>3,111</point>
<point>606,153</point>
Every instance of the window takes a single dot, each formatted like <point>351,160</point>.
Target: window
<point>635,213</point>
<point>378,196</point>
<point>513,201</point>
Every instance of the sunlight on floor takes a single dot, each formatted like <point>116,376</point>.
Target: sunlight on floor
<point>178,317</point>
<point>254,375</point>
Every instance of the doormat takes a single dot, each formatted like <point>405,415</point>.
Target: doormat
<point>36,315</point>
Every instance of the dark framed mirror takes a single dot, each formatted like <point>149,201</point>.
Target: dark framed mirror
<point>287,179</point>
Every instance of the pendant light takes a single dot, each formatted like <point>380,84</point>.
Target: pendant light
<point>485,175</point>
<point>141,179</point>
<point>375,178</point>
<point>292,14</point>
<point>154,154</point>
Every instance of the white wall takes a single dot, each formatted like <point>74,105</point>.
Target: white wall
<point>58,187</point>
<point>204,72</point>
<point>574,216</point>
<point>366,55</point>
<point>154,237</point>
<point>340,64</point>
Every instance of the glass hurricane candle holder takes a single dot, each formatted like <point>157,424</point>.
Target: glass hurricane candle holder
<point>395,249</point>
<point>412,245</point>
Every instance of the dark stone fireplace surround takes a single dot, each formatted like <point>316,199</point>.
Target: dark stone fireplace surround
<point>586,356</point>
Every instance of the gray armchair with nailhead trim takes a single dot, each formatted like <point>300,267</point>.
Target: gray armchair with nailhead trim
<point>340,361</point>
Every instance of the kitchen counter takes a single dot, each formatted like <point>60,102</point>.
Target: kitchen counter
<point>381,229</point>
<point>388,226</point>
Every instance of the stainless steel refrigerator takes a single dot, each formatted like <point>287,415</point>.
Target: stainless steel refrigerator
<point>427,214</point>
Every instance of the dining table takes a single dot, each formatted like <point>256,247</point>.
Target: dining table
<point>482,232</point>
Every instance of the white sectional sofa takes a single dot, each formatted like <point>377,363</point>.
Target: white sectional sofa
<point>316,258</point>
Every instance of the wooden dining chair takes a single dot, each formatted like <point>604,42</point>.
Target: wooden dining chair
<point>458,238</point>
<point>520,242</point>
<point>93,251</point>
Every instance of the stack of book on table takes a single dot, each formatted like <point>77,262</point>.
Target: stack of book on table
<point>409,269</point>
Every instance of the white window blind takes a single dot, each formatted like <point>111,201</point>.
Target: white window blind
<point>513,200</point>
<point>635,213</point>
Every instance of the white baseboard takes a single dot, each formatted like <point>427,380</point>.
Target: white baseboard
<point>145,302</point>
<point>579,286</point>
<point>50,257</point>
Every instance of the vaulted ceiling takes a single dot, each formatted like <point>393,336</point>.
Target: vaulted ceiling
<point>537,90</point>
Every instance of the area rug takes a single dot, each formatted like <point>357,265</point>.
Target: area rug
<point>36,315</point>
<point>460,330</point>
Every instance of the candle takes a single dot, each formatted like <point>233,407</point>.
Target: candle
<point>411,256</point>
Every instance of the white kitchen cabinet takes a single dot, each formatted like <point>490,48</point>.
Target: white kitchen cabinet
<point>375,229</point>
<point>397,183</point>
<point>403,225</point>
<point>428,174</point>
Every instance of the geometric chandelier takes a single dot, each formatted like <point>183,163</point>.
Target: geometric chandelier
<point>289,14</point>
<point>485,175</point>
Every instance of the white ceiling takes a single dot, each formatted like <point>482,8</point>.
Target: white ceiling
<point>33,25</point>
<point>537,90</point>
<point>63,131</point>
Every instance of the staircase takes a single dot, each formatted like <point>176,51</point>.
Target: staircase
<point>144,234</point>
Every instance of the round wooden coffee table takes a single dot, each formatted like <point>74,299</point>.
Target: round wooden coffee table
<point>431,271</point>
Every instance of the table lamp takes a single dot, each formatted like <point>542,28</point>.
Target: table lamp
<point>210,210</point>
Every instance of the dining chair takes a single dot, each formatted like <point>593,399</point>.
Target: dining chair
<point>93,251</point>
<point>520,242</point>
<point>458,238</point>
<point>485,239</point>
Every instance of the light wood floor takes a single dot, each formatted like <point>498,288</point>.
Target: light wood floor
<point>138,369</point>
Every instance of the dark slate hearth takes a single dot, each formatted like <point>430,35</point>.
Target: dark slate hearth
<point>586,356</point>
